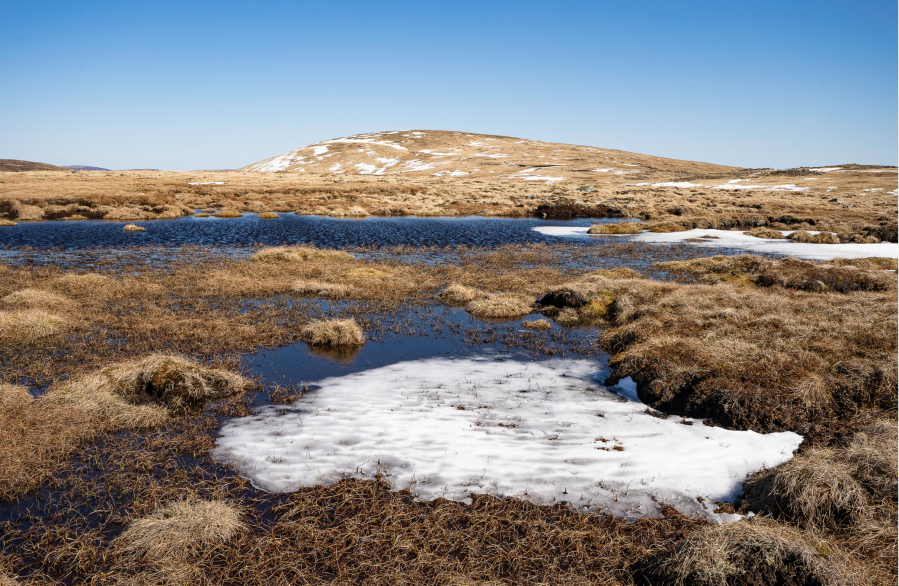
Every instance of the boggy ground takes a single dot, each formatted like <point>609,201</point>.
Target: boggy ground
<point>106,475</point>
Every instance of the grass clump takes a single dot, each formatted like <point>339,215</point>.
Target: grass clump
<point>667,227</point>
<point>35,298</point>
<point>5,222</point>
<point>619,228</point>
<point>456,294</point>
<point>300,253</point>
<point>759,551</point>
<point>141,394</point>
<point>791,273</point>
<point>356,212</point>
<point>29,324</point>
<point>765,233</point>
<point>333,332</point>
<point>329,290</point>
<point>538,324</point>
<point>616,273</point>
<point>134,228</point>
<point>228,214</point>
<point>819,238</point>
<point>179,531</point>
<point>37,436</point>
<point>501,305</point>
<point>268,216</point>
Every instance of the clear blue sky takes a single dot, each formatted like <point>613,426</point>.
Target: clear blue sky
<point>190,85</point>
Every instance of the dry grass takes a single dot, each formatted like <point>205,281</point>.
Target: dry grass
<point>29,324</point>
<point>457,294</point>
<point>5,222</point>
<point>180,530</point>
<point>356,212</point>
<point>328,290</point>
<point>842,275</point>
<point>620,228</point>
<point>36,298</point>
<point>228,214</point>
<point>537,324</point>
<point>333,332</point>
<point>301,253</point>
<point>848,490</point>
<point>765,233</point>
<point>761,551</point>
<point>819,238</point>
<point>37,436</point>
<point>134,228</point>
<point>268,216</point>
<point>500,305</point>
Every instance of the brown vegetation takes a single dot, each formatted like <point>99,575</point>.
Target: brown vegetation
<point>333,332</point>
<point>457,294</point>
<point>134,228</point>
<point>621,228</point>
<point>500,305</point>
<point>37,436</point>
<point>842,275</point>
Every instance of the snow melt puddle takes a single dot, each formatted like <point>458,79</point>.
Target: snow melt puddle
<point>742,241</point>
<point>545,431</point>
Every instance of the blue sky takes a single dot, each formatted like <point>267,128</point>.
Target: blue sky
<point>192,85</point>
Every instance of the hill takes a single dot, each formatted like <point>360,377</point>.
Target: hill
<point>442,153</point>
<point>85,168</point>
<point>15,165</point>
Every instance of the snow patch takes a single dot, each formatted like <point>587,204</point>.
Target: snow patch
<point>546,432</point>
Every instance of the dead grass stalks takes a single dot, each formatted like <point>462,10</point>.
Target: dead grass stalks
<point>333,332</point>
<point>456,294</point>
<point>301,253</point>
<point>501,305</point>
<point>29,324</point>
<point>620,228</point>
<point>180,531</point>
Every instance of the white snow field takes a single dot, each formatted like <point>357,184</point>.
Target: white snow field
<point>742,241</point>
<point>547,432</point>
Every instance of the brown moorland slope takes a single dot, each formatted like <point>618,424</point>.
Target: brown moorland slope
<point>15,165</point>
<point>507,177</point>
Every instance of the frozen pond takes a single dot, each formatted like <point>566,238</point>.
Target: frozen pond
<point>546,431</point>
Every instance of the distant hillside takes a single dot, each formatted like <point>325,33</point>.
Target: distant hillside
<point>85,168</point>
<point>14,165</point>
<point>443,153</point>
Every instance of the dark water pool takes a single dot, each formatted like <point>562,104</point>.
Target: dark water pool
<point>288,229</point>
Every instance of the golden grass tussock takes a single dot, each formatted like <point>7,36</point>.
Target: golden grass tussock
<point>537,324</point>
<point>322,289</point>
<point>792,273</point>
<point>228,214</point>
<point>134,228</point>
<point>742,552</point>
<point>5,222</point>
<point>29,213</point>
<point>84,283</point>
<point>36,298</point>
<point>356,212</point>
<point>268,216</point>
<point>500,305</point>
<point>819,238</point>
<point>37,436</point>
<point>29,324</point>
<point>568,316</point>
<point>14,394</point>
<point>179,531</point>
<point>301,253</point>
<point>456,294</point>
<point>141,394</point>
<point>619,228</point>
<point>333,332</point>
<point>8,580</point>
<point>765,233</point>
